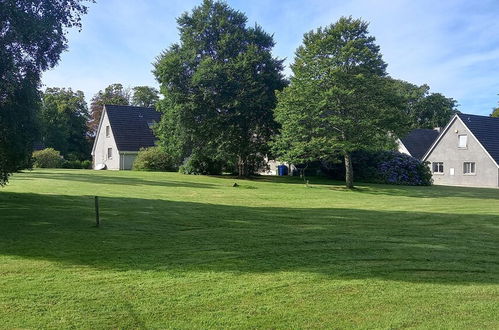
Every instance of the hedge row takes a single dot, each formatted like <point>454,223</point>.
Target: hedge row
<point>51,158</point>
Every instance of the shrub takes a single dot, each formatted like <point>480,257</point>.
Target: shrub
<point>383,167</point>
<point>154,159</point>
<point>47,158</point>
<point>86,164</point>
<point>77,164</point>
<point>198,164</point>
<point>405,170</point>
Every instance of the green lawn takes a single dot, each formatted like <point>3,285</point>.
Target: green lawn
<point>182,251</point>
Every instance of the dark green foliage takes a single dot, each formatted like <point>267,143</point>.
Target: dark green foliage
<point>31,40</point>
<point>425,109</point>
<point>154,159</point>
<point>77,164</point>
<point>145,96</point>
<point>202,165</point>
<point>218,84</point>
<point>47,158</point>
<point>339,99</point>
<point>383,167</point>
<point>17,127</point>
<point>63,120</point>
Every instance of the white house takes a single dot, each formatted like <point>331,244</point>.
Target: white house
<point>467,152</point>
<point>122,132</point>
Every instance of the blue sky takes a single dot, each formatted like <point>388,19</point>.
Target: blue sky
<point>451,45</point>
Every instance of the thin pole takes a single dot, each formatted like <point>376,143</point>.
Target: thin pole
<point>97,220</point>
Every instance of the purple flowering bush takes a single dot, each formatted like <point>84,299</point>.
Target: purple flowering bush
<point>398,168</point>
<point>382,167</point>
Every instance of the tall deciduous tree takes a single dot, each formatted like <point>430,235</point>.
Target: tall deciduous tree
<point>63,119</point>
<point>32,37</point>
<point>145,96</point>
<point>114,94</point>
<point>218,85</point>
<point>339,99</point>
<point>425,109</point>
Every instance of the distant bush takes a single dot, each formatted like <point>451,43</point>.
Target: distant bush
<point>383,167</point>
<point>198,164</point>
<point>47,158</point>
<point>77,164</point>
<point>154,159</point>
<point>86,164</point>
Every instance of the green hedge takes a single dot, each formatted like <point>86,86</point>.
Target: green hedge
<point>154,159</point>
<point>47,158</point>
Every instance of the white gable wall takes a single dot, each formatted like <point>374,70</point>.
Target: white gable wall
<point>401,148</point>
<point>102,143</point>
<point>446,150</point>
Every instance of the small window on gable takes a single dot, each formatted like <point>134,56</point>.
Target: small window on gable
<point>438,167</point>
<point>463,141</point>
<point>108,131</point>
<point>109,153</point>
<point>469,168</point>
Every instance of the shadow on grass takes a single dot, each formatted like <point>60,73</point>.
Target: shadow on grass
<point>104,177</point>
<point>170,236</point>
<point>391,190</point>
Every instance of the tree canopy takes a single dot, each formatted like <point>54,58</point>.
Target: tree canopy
<point>63,121</point>
<point>145,96</point>
<point>33,35</point>
<point>425,109</point>
<point>218,84</point>
<point>339,99</point>
<point>114,94</point>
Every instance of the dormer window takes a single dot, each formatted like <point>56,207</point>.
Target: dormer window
<point>108,131</point>
<point>462,141</point>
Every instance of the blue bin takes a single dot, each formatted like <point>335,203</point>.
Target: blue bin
<point>282,170</point>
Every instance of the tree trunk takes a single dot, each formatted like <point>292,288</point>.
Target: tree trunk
<point>348,170</point>
<point>242,167</point>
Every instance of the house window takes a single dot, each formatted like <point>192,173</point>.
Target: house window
<point>463,141</point>
<point>438,167</point>
<point>108,131</point>
<point>469,168</point>
<point>109,153</point>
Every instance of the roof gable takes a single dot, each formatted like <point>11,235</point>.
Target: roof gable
<point>486,131</point>
<point>130,126</point>
<point>418,141</point>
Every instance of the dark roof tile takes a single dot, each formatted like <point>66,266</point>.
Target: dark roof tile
<point>130,126</point>
<point>418,141</point>
<point>486,130</point>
